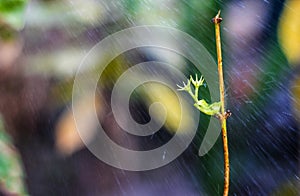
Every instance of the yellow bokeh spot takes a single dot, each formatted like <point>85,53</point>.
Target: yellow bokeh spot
<point>289,31</point>
<point>176,114</point>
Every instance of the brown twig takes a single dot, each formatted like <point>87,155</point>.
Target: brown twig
<point>224,115</point>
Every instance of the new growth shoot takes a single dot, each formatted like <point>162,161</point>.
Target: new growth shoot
<point>216,109</point>
<point>202,105</point>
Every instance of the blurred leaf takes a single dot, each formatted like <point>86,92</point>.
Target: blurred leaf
<point>296,96</point>
<point>67,139</point>
<point>12,13</point>
<point>11,172</point>
<point>290,188</point>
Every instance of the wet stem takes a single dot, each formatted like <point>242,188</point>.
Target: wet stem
<point>216,109</point>
<point>217,20</point>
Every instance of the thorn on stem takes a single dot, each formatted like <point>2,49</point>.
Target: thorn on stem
<point>227,114</point>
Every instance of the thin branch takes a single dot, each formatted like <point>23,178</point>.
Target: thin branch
<point>217,20</point>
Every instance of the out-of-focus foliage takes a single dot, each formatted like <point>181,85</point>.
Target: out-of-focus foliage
<point>12,13</point>
<point>288,189</point>
<point>11,171</point>
<point>296,101</point>
<point>67,139</point>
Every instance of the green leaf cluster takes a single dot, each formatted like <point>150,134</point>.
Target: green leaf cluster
<point>201,105</point>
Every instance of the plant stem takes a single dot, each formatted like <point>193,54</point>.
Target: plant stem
<point>217,20</point>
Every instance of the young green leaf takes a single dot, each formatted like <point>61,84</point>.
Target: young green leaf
<point>209,109</point>
<point>201,105</point>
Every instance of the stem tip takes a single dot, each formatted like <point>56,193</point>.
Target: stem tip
<point>217,19</point>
